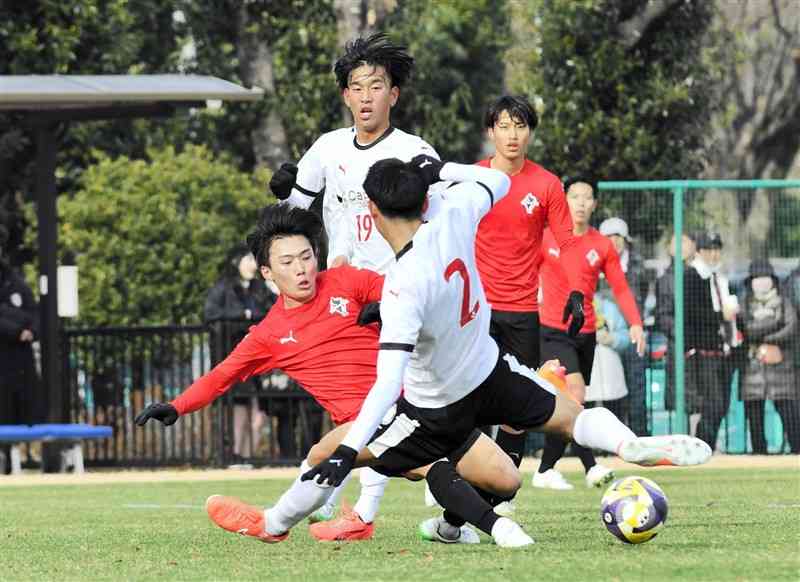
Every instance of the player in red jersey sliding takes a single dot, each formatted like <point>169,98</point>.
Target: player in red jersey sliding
<point>596,255</point>
<point>311,333</point>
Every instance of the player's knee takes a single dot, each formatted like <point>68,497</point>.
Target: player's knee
<point>506,478</point>
<point>317,454</point>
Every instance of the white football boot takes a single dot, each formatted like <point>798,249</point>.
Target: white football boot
<point>430,500</point>
<point>436,529</point>
<point>675,449</point>
<point>551,479</point>
<point>508,534</point>
<point>598,476</point>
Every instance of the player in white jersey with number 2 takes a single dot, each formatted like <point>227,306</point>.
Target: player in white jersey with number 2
<point>435,347</point>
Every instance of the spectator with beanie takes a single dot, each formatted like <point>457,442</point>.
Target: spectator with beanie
<point>710,331</point>
<point>18,329</point>
<point>770,325</point>
<point>238,300</point>
<point>634,364</point>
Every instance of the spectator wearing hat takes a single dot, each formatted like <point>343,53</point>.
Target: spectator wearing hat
<point>633,363</point>
<point>710,334</point>
<point>770,325</point>
<point>665,307</point>
<point>18,330</point>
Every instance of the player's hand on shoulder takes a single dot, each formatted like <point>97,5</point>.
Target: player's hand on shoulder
<point>163,412</point>
<point>283,180</point>
<point>370,313</point>
<point>429,167</point>
<point>574,309</point>
<point>333,470</point>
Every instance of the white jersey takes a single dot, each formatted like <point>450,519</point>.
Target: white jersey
<point>433,301</point>
<point>339,165</point>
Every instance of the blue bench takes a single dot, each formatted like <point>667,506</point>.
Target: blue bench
<point>73,434</point>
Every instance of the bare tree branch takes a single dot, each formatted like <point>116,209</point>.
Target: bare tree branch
<point>633,29</point>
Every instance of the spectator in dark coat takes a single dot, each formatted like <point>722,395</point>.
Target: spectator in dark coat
<point>18,329</point>
<point>770,322</point>
<point>238,300</point>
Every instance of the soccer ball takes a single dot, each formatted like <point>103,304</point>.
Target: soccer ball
<point>634,509</point>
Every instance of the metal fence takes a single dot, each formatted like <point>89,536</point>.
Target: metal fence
<point>711,379</point>
<point>113,373</point>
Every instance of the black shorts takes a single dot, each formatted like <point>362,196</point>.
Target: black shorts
<point>517,332</point>
<point>576,353</point>
<point>415,437</point>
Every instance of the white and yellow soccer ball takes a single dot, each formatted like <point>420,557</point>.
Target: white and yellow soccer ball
<point>634,509</point>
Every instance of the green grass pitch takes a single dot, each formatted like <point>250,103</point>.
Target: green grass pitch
<point>724,524</point>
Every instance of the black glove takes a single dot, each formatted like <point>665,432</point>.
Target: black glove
<point>282,180</point>
<point>429,167</point>
<point>333,470</point>
<point>370,313</point>
<point>162,411</point>
<point>574,307</point>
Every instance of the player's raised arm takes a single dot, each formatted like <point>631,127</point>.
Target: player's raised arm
<point>492,184</point>
<point>300,184</point>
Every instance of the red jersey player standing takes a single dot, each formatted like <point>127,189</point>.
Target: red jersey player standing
<point>595,255</point>
<point>303,335</point>
<point>509,239</point>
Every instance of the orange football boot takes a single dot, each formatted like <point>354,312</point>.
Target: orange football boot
<point>348,527</point>
<point>237,516</point>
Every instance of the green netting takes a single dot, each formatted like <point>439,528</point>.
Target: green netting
<point>681,388</point>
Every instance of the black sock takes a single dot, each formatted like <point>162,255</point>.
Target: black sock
<point>585,455</point>
<point>459,497</point>
<point>554,447</point>
<point>512,444</point>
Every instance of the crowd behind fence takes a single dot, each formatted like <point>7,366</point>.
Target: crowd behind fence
<point>724,350</point>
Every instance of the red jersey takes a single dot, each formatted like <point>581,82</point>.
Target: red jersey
<point>319,344</point>
<point>594,254</point>
<point>510,236</point>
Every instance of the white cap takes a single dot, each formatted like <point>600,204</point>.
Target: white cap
<point>615,225</point>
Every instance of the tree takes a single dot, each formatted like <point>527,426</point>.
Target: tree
<point>91,37</point>
<point>458,47</point>
<point>627,90</point>
<point>149,235</point>
<point>757,131</point>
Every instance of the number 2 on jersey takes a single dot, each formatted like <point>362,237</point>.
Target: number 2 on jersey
<point>363,226</point>
<point>458,266</point>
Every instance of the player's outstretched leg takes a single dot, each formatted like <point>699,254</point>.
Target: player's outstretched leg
<point>598,428</point>
<point>356,524</point>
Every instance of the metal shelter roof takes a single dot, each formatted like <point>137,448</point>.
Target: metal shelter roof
<point>48,92</point>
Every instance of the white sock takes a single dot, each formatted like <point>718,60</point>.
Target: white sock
<point>598,428</point>
<point>372,486</point>
<point>337,493</point>
<point>301,500</point>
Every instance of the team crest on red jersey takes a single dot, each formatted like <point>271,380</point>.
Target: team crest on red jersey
<point>592,256</point>
<point>530,202</point>
<point>339,305</point>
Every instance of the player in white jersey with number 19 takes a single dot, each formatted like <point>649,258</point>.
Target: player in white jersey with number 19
<point>370,74</point>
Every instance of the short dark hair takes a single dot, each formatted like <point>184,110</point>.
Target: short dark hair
<point>280,221</point>
<point>397,188</point>
<point>377,50</point>
<point>570,181</point>
<point>518,107</point>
